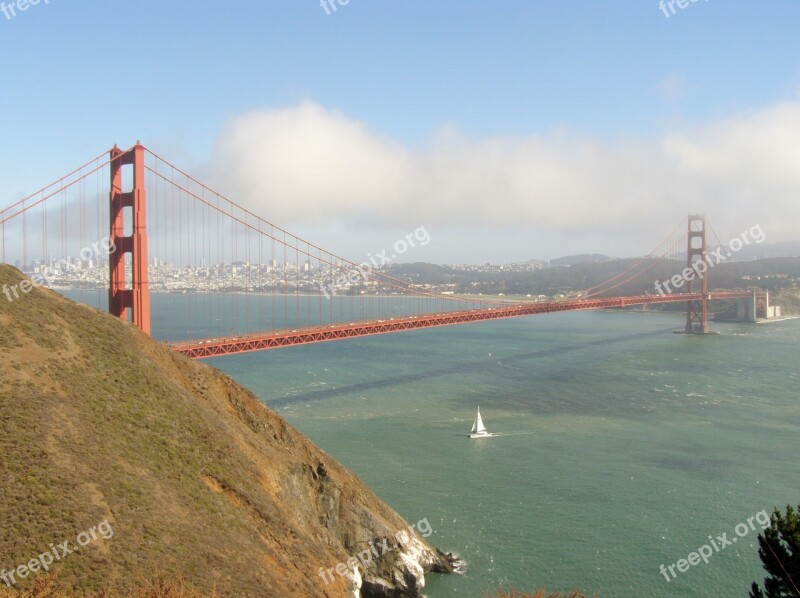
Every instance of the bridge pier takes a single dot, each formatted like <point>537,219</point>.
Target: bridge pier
<point>756,307</point>
<point>746,309</point>
<point>121,298</point>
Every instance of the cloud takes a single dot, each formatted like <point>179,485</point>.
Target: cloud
<point>309,165</point>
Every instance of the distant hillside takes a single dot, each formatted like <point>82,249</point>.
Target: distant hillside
<point>583,258</point>
<point>771,274</point>
<point>191,472</point>
<point>762,251</point>
<point>789,300</point>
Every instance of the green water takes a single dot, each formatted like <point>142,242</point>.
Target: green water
<point>622,448</point>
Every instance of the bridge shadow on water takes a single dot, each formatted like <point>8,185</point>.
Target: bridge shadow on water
<point>472,368</point>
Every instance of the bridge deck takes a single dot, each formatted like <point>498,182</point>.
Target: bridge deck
<point>198,349</point>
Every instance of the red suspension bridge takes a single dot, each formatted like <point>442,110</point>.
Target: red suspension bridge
<point>136,225</point>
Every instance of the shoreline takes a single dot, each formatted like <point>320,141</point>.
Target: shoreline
<point>778,319</point>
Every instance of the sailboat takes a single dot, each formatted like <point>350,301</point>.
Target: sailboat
<point>478,429</point>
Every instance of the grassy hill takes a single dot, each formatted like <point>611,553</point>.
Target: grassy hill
<point>196,477</point>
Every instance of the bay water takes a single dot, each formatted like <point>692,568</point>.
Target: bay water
<point>621,446</point>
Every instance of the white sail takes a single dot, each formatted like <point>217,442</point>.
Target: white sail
<point>477,426</point>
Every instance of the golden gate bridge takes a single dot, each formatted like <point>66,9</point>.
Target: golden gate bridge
<point>161,225</point>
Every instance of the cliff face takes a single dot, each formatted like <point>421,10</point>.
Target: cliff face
<point>194,475</point>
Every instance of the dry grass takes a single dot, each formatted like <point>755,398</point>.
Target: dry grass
<point>162,586</point>
<point>195,476</point>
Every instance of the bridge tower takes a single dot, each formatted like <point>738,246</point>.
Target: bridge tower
<point>121,298</point>
<point>697,310</point>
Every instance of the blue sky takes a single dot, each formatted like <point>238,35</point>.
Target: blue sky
<point>439,87</point>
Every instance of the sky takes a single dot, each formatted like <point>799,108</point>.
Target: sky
<point>510,130</point>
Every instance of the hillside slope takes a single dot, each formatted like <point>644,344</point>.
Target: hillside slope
<point>194,475</point>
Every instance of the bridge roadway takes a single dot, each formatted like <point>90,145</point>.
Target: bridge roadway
<point>198,349</point>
